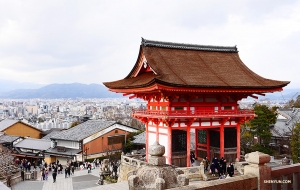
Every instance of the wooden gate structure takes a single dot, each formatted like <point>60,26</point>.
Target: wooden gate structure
<point>192,87</point>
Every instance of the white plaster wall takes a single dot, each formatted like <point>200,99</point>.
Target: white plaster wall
<point>205,123</point>
<point>69,144</point>
<point>182,124</point>
<point>163,140</point>
<point>153,129</point>
<point>175,125</point>
<point>152,138</point>
<point>161,130</point>
<point>215,123</point>
<point>195,124</point>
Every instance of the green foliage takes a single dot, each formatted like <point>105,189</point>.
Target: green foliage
<point>129,146</point>
<point>258,147</point>
<point>260,125</point>
<point>112,180</point>
<point>246,138</point>
<point>74,124</point>
<point>295,144</point>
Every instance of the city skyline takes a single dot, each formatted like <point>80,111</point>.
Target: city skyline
<point>95,42</point>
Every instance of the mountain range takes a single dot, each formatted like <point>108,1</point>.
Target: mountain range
<point>53,91</point>
<point>16,90</point>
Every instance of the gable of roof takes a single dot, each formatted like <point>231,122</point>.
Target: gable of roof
<point>9,122</point>
<point>83,130</point>
<point>191,66</point>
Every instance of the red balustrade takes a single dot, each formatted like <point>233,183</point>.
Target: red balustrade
<point>193,113</point>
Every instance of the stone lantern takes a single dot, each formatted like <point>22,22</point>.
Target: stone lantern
<point>157,175</point>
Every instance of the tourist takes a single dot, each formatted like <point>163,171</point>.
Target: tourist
<point>46,174</point>
<point>215,161</point>
<point>66,172</point>
<point>22,174</point>
<point>192,157</point>
<point>205,163</point>
<point>220,170</point>
<point>42,174</point>
<point>54,173</point>
<point>224,166</point>
<point>72,169</point>
<point>213,169</point>
<point>230,169</point>
<point>69,170</point>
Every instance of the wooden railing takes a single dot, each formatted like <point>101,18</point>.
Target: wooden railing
<point>285,177</point>
<point>193,113</point>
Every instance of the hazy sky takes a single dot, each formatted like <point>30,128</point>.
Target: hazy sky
<point>98,41</point>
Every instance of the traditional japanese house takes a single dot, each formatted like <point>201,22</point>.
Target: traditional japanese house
<point>192,87</point>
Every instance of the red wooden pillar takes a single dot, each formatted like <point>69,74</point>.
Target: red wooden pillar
<point>196,143</point>
<point>222,140</point>
<point>188,146</point>
<point>238,143</point>
<point>169,151</point>
<point>208,144</point>
<point>147,141</point>
<point>157,131</point>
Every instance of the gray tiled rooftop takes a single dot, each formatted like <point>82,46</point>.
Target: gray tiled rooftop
<point>36,144</point>
<point>83,130</point>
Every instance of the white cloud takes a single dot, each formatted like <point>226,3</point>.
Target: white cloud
<point>97,41</point>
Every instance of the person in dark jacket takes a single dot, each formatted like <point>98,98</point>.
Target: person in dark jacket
<point>54,173</point>
<point>220,170</point>
<point>230,169</point>
<point>192,157</point>
<point>213,168</point>
<point>22,174</point>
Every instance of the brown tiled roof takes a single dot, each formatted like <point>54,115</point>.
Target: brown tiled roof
<point>195,66</point>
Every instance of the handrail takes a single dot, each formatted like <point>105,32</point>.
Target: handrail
<point>192,113</point>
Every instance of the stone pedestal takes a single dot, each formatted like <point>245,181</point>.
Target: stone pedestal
<point>258,168</point>
<point>156,175</point>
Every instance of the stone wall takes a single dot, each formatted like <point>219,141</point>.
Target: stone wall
<point>14,180</point>
<point>129,163</point>
<point>248,182</point>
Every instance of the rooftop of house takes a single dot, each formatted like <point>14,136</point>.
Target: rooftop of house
<point>285,122</point>
<point>8,138</point>
<point>35,144</point>
<point>84,130</point>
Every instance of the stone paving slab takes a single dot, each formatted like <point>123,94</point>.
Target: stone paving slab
<point>85,185</point>
<point>87,177</point>
<point>30,185</point>
<point>114,186</point>
<point>79,181</point>
<point>65,184</point>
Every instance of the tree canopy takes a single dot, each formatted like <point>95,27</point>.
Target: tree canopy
<point>295,144</point>
<point>260,125</point>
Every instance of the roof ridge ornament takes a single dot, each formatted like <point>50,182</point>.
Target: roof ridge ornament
<point>173,45</point>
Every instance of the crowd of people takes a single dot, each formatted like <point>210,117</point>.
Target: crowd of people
<point>220,167</point>
<point>55,168</point>
<point>217,166</point>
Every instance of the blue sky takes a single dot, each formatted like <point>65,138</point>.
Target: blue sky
<point>97,41</point>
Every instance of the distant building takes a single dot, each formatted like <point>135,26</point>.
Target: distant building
<point>93,138</point>
<point>19,128</point>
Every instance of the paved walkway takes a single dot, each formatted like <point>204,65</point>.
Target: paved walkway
<point>81,180</point>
